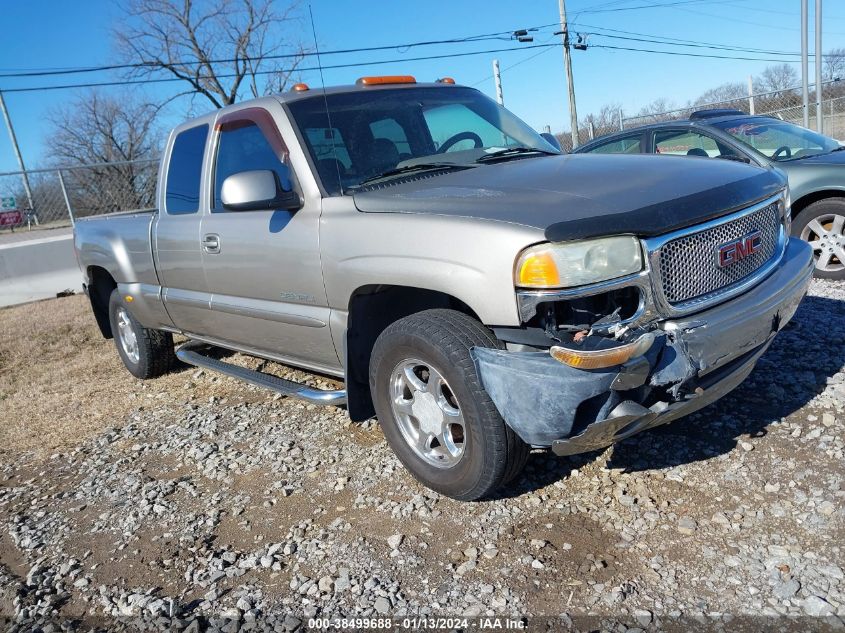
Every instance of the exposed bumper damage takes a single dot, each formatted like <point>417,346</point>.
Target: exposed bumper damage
<point>693,361</point>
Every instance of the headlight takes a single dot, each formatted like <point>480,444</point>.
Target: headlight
<point>578,263</point>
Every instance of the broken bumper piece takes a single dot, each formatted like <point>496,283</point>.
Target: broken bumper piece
<point>692,362</point>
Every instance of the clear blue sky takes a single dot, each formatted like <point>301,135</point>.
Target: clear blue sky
<point>54,34</point>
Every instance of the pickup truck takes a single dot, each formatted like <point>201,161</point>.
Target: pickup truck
<point>479,292</point>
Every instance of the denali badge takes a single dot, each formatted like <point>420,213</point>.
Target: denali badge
<point>737,250</point>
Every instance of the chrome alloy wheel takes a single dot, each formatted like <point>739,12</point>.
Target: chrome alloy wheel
<point>428,413</point>
<point>127,336</point>
<point>826,234</point>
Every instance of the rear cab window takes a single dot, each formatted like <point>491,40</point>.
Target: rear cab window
<point>184,171</point>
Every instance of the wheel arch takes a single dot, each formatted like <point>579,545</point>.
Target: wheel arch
<point>815,196</point>
<point>371,309</point>
<point>100,285</point>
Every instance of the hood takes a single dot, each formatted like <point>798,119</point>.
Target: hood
<point>580,196</point>
<point>831,158</point>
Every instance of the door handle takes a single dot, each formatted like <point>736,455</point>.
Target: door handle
<point>211,243</point>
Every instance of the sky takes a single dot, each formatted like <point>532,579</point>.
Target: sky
<point>50,34</point>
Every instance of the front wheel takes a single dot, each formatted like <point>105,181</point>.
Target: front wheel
<point>146,353</point>
<point>433,410</point>
<point>822,224</point>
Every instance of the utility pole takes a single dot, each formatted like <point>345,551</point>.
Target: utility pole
<point>750,94</point>
<point>567,62</point>
<point>819,113</point>
<point>17,154</point>
<point>805,80</point>
<point>500,99</point>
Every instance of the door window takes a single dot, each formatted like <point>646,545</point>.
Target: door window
<point>248,140</point>
<point>627,145</point>
<point>182,192</point>
<point>689,143</point>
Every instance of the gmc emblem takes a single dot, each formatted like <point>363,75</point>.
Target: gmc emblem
<point>737,250</point>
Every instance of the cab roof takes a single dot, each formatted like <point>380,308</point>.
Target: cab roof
<point>292,95</point>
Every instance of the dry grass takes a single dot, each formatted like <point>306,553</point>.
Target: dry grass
<point>61,381</point>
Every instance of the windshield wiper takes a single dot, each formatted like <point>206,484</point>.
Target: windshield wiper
<point>513,151</point>
<point>406,169</point>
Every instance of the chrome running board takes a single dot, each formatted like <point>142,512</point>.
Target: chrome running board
<point>189,353</point>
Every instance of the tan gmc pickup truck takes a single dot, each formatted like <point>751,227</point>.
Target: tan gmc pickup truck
<point>475,289</point>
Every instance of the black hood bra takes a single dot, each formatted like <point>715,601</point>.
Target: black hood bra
<point>580,196</point>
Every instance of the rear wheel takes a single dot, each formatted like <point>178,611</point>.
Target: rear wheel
<point>146,353</point>
<point>822,224</point>
<point>433,410</point>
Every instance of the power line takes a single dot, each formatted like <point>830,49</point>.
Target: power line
<point>652,6</point>
<point>741,21</point>
<point>265,72</point>
<point>685,54</point>
<point>671,40</point>
<point>501,35</point>
<point>696,45</point>
<point>507,68</point>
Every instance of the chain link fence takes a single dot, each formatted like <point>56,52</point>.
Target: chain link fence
<point>51,198</point>
<point>784,104</point>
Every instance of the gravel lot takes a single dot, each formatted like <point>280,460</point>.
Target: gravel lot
<point>196,502</point>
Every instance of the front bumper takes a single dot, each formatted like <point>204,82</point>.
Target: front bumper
<point>694,361</point>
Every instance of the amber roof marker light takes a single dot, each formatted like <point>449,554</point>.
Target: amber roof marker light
<point>300,87</point>
<point>385,79</point>
<point>446,80</point>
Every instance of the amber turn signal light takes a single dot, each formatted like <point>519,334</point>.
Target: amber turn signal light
<point>537,269</point>
<point>602,358</point>
<point>386,79</point>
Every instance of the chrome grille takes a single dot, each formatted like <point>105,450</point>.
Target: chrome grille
<point>688,264</point>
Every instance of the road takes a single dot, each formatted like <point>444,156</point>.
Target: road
<point>37,266</point>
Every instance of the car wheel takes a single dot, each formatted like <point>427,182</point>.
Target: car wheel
<point>433,410</point>
<point>822,224</point>
<point>146,353</point>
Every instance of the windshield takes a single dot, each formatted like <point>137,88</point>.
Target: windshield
<point>376,131</point>
<point>778,140</point>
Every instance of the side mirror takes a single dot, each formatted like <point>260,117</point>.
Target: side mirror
<point>551,139</point>
<point>259,190</point>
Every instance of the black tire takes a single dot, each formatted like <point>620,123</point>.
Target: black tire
<point>820,210</point>
<point>155,355</point>
<point>492,453</point>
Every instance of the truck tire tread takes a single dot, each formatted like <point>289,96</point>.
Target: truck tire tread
<point>454,334</point>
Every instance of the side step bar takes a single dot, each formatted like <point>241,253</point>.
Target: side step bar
<point>188,353</point>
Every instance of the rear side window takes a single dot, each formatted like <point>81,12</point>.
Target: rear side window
<point>182,193</point>
<point>628,145</point>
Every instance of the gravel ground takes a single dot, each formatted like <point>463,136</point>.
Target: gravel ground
<point>194,502</point>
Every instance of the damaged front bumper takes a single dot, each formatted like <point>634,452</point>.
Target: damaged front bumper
<point>693,361</point>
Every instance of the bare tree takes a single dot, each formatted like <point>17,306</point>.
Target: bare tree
<point>658,110</point>
<point>98,128</point>
<point>219,48</point>
<point>732,91</point>
<point>834,64</point>
<point>604,121</point>
<point>120,130</point>
<point>779,78</point>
